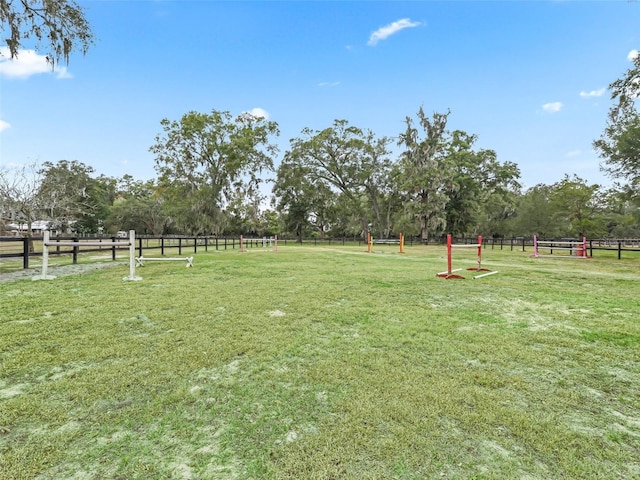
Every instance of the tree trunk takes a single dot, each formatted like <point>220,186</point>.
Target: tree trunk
<point>423,228</point>
<point>365,228</point>
<point>30,234</point>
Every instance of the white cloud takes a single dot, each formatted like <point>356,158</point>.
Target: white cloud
<point>573,153</point>
<point>62,73</point>
<point>4,125</point>
<point>27,63</point>
<point>633,54</point>
<point>388,30</point>
<point>593,93</point>
<point>552,107</point>
<point>259,113</point>
<point>328,84</point>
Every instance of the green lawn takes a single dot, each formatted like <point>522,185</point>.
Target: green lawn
<point>318,363</point>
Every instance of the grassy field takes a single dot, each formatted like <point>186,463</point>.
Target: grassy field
<point>325,363</point>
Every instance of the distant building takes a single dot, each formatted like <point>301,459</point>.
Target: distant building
<point>37,227</point>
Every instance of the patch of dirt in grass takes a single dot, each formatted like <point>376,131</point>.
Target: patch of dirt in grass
<point>13,391</point>
<point>182,470</point>
<point>22,322</point>
<point>342,302</point>
<point>224,374</point>
<point>139,320</point>
<point>536,316</point>
<point>593,392</point>
<point>494,448</point>
<point>624,375</point>
<point>55,373</point>
<point>614,419</point>
<point>581,425</point>
<point>623,429</point>
<point>632,424</point>
<point>58,372</point>
<point>173,454</point>
<point>65,429</point>
<point>113,438</point>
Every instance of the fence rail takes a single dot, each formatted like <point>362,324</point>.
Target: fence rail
<point>27,248</point>
<point>612,245</point>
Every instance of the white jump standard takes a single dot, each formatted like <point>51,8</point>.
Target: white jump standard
<point>140,260</point>
<point>449,273</point>
<point>575,248</point>
<point>130,243</point>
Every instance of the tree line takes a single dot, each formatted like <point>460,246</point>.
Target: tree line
<point>339,181</point>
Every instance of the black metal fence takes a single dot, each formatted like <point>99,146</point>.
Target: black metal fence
<point>27,248</point>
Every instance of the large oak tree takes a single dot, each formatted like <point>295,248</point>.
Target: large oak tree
<point>204,159</point>
<point>349,160</point>
<point>427,175</point>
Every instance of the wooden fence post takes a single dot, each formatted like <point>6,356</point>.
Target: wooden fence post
<point>75,251</point>
<point>25,252</point>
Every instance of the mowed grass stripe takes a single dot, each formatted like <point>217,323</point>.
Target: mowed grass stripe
<point>324,363</point>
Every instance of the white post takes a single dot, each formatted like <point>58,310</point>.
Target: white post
<point>45,253</point>
<point>132,257</point>
<point>45,258</point>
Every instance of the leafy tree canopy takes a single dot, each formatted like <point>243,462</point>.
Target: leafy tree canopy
<point>426,173</point>
<point>58,27</point>
<point>619,144</point>
<point>205,159</point>
<point>347,159</point>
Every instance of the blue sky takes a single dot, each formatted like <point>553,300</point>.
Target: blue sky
<point>529,78</point>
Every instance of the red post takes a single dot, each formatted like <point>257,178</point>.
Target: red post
<point>449,254</point>
<point>479,252</point>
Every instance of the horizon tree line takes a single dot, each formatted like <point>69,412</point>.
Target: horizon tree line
<point>339,181</point>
